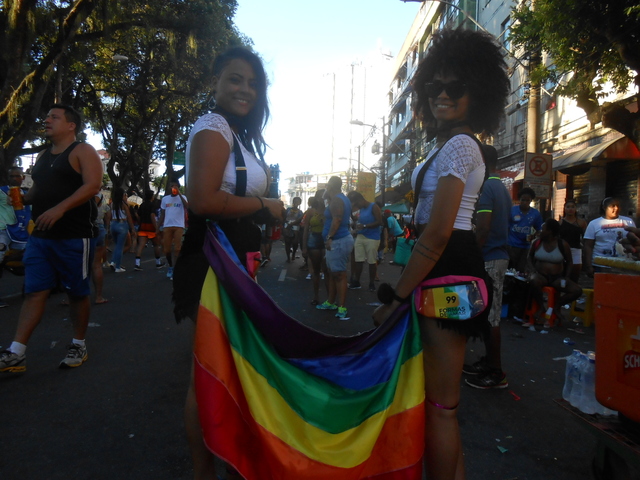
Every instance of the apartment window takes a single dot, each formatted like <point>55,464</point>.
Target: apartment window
<point>505,27</point>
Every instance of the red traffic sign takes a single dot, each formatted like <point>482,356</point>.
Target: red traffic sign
<point>538,167</point>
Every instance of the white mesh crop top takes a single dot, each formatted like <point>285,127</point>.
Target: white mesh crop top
<point>256,170</point>
<point>460,157</point>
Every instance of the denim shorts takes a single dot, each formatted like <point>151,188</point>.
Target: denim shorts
<point>102,233</point>
<point>315,241</point>
<point>48,260</point>
<point>339,255</point>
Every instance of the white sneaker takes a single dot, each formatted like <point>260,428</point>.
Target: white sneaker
<point>76,356</point>
<point>12,362</point>
<point>309,276</point>
<point>120,270</point>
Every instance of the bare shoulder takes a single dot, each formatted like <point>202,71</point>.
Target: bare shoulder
<point>84,149</point>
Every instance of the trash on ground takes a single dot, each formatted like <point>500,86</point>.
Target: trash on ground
<point>577,330</point>
<point>544,331</point>
<point>568,341</point>
<point>513,394</point>
<point>502,449</point>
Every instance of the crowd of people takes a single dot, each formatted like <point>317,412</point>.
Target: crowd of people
<point>465,227</point>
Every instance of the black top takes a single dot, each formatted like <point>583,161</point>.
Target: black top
<point>571,233</point>
<point>56,180</point>
<point>145,211</point>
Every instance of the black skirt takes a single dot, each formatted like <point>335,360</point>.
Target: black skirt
<point>462,256</point>
<point>192,264</point>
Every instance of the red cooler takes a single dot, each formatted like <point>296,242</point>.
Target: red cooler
<point>617,305</point>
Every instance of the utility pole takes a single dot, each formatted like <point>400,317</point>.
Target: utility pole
<point>533,112</point>
<point>384,164</point>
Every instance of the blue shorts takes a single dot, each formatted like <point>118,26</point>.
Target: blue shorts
<point>315,241</point>
<point>102,233</point>
<point>47,261</point>
<point>338,258</point>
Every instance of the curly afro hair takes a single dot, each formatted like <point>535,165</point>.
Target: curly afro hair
<point>476,58</point>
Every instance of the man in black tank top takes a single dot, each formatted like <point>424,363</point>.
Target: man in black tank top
<point>66,177</point>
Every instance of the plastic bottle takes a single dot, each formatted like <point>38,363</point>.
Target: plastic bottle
<point>576,389</point>
<point>588,403</point>
<point>569,373</point>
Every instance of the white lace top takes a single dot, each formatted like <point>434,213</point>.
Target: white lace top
<point>256,170</point>
<point>460,157</point>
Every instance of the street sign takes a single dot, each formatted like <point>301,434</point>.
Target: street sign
<point>367,185</point>
<point>543,190</point>
<point>538,173</point>
<point>178,158</point>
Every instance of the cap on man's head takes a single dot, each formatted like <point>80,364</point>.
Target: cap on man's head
<point>387,212</point>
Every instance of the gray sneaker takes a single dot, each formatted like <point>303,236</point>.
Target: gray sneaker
<point>76,356</point>
<point>12,362</point>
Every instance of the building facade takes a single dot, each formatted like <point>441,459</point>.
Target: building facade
<point>589,161</point>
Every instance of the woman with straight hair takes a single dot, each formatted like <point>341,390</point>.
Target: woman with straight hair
<point>231,133</point>
<point>571,230</point>
<point>121,226</point>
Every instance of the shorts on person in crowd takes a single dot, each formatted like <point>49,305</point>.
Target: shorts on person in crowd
<point>338,257</point>
<point>366,249</point>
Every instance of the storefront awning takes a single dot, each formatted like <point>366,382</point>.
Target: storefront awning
<point>619,148</point>
<point>400,207</point>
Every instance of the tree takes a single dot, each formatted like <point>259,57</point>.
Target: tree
<point>66,50</point>
<point>595,44</point>
<point>150,98</point>
<point>34,35</point>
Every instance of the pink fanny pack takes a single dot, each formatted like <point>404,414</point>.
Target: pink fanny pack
<point>453,297</point>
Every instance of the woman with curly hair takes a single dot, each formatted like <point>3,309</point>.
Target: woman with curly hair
<point>461,87</point>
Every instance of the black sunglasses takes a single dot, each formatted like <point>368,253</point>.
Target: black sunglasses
<point>454,90</point>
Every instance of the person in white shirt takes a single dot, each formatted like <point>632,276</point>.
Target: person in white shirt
<point>172,221</point>
<point>602,233</point>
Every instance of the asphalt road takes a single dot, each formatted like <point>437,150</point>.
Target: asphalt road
<point>119,416</point>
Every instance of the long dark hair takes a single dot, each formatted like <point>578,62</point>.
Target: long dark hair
<point>475,58</point>
<point>249,127</point>
<point>117,197</point>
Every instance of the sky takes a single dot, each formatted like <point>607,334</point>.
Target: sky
<point>299,42</point>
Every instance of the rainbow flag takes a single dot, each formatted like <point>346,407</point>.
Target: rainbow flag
<point>278,400</point>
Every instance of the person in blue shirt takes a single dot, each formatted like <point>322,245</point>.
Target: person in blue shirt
<point>492,231</point>
<point>524,221</point>
<point>367,239</point>
<point>338,242</point>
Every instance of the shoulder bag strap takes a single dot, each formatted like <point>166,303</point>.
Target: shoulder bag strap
<point>241,169</point>
<point>419,181</point>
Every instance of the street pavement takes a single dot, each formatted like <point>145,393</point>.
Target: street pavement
<point>119,416</point>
